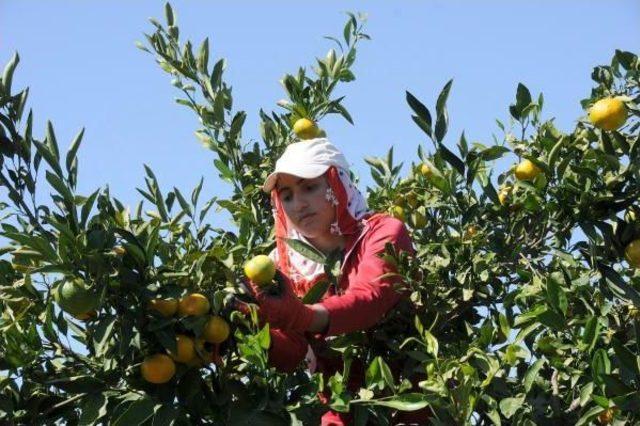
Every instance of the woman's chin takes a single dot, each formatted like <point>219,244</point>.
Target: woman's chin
<point>310,232</point>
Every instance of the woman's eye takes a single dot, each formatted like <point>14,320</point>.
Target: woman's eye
<point>311,187</point>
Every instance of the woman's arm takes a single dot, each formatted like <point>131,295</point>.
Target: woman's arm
<point>320,320</point>
<point>368,298</point>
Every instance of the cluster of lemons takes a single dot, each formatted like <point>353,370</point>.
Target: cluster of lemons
<point>607,114</point>
<point>160,367</point>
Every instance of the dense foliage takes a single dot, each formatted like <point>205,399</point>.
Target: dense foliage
<point>525,292</point>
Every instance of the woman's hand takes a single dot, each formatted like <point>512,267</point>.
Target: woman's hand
<point>286,311</point>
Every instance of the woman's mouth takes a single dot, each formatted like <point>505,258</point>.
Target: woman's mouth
<point>306,216</point>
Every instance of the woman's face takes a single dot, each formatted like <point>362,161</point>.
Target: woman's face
<point>305,204</point>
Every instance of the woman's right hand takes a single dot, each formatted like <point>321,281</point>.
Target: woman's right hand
<point>284,310</point>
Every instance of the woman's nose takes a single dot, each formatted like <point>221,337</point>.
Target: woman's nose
<point>299,203</point>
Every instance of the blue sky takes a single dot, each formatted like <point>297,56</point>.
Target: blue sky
<point>81,63</point>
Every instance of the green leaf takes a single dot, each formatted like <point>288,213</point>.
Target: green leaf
<point>44,151</point>
<point>196,193</point>
<point>168,11</point>
<point>405,402</point>
<point>442,125</point>
<point>589,415</point>
<point>158,199</point>
<point>551,319</point>
<point>62,189</point>
<point>618,285</point>
<point>136,252</point>
<point>431,343</point>
<point>442,98</point>
<point>503,323</point>
<point>627,359</point>
<point>555,151</point>
<point>183,202</point>
<point>102,335</point>
<point>590,333</point>
<point>526,331</point>
<point>306,250</point>
<point>203,56</point>
<point>525,317</point>
<point>451,158</point>
<point>493,153</point>
<point>490,191</point>
<point>216,75</point>
<point>555,293</point>
<point>264,338</point>
<point>52,142</point>
<point>421,111</point>
<point>225,173</point>
<point>585,393</point>
<point>77,384</point>
<point>73,150</point>
<point>523,97</point>
<point>600,366</point>
<point>387,376</point>
<point>509,406</point>
<point>531,374</point>
<point>423,125</point>
<point>49,331</point>
<point>92,408</point>
<point>513,352</point>
<point>315,293</point>
<point>346,32</point>
<point>136,413</point>
<point>344,113</point>
<point>35,242</point>
<point>7,75</point>
<point>625,58</point>
<point>435,386</point>
<point>86,208</point>
<point>165,415</point>
<point>494,416</point>
<point>236,125</point>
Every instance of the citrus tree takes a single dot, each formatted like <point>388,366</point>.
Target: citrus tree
<point>524,303</point>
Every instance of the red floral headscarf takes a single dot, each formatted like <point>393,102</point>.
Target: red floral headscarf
<point>351,210</point>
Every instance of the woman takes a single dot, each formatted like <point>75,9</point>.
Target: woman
<point>315,201</point>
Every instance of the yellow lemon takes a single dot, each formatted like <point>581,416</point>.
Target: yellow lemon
<point>412,199</point>
<point>632,253</point>
<point>193,304</point>
<point>260,270</point>
<point>471,232</point>
<point>185,349</point>
<point>216,330</point>
<point>166,307</point>
<point>527,170</point>
<point>158,368</point>
<point>86,316</point>
<point>426,171</point>
<point>398,213</point>
<point>419,220</point>
<point>608,114</point>
<point>305,128</point>
<point>503,195</point>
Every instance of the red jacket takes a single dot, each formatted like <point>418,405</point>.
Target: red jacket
<point>361,302</point>
<point>363,298</point>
